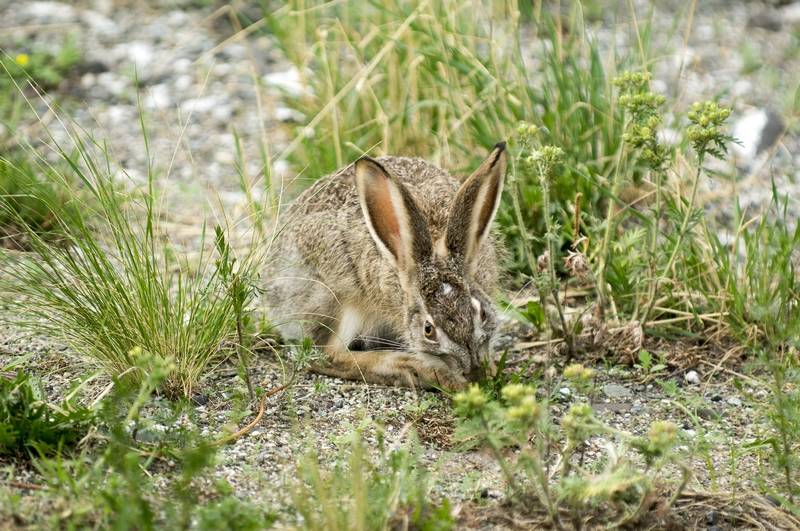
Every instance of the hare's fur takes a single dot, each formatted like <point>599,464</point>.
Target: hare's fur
<point>329,278</point>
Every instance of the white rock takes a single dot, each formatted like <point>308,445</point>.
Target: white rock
<point>112,83</point>
<point>157,97</point>
<point>281,167</point>
<point>183,82</point>
<point>791,14</point>
<point>692,377</point>
<point>659,86</point>
<point>119,113</point>
<point>747,130</point>
<point>287,80</point>
<point>565,391</point>
<point>758,130</point>
<point>285,114</point>
<point>202,104</point>
<point>137,52</point>
<point>100,23</point>
<point>49,12</point>
<point>181,64</point>
<point>88,80</point>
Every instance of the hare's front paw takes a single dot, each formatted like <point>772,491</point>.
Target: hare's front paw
<point>414,372</point>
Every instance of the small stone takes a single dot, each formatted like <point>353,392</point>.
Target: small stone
<point>706,413</point>
<point>158,97</point>
<point>692,377</point>
<point>767,19</point>
<point>285,114</point>
<point>616,391</point>
<point>565,392</point>
<point>49,12</point>
<point>734,401</point>
<point>287,81</point>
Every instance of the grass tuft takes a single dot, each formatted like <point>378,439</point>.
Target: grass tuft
<point>116,288</point>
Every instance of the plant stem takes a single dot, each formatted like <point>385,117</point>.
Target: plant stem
<point>601,273</point>
<point>523,231</point>
<point>507,473</point>
<point>651,291</point>
<point>681,233</point>
<point>551,268</point>
<point>238,296</point>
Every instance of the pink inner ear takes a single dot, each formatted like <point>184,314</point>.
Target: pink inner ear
<point>383,216</point>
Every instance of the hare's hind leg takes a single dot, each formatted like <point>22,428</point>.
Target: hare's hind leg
<point>385,367</point>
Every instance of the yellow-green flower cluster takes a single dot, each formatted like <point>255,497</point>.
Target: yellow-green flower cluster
<point>642,105</point>
<point>22,59</point>
<point>578,423</point>
<point>578,373</point>
<point>470,402</point>
<point>629,82</point>
<point>522,404</point>
<point>544,158</point>
<point>526,131</point>
<point>707,118</point>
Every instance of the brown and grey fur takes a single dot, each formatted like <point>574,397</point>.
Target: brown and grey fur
<point>370,253</point>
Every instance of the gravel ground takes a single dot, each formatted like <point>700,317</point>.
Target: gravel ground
<point>197,84</point>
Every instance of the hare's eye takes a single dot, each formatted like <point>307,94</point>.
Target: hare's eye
<point>484,315</point>
<point>430,330</point>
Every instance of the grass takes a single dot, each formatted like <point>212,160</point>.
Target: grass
<point>458,97</point>
<point>389,491</point>
<point>24,194</point>
<point>117,288</point>
<point>111,486</point>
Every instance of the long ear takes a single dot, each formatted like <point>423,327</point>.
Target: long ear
<point>392,216</point>
<point>475,206</point>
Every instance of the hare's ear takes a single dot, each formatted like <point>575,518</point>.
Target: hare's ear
<point>475,206</point>
<point>393,218</point>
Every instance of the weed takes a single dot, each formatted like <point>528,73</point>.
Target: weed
<point>30,426</point>
<point>112,486</point>
<point>362,492</point>
<point>43,68</point>
<point>760,278</point>
<point>522,421</point>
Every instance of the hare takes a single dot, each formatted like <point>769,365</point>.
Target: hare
<point>389,266</point>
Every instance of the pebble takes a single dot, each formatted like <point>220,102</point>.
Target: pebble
<point>613,390</point>
<point>48,12</point>
<point>692,377</point>
<point>734,401</point>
